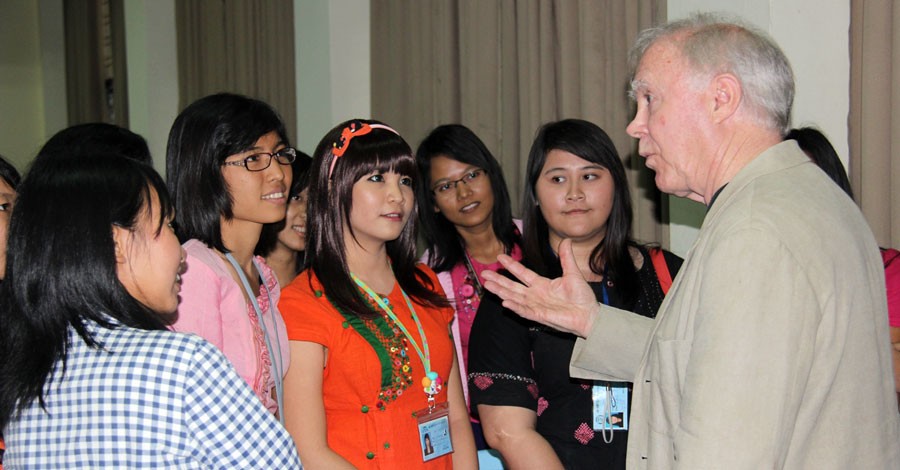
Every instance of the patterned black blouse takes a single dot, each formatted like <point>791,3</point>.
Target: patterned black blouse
<point>515,362</point>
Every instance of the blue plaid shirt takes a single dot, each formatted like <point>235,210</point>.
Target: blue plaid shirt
<point>147,399</point>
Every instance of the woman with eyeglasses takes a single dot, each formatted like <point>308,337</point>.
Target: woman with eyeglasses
<point>466,221</point>
<point>228,169</point>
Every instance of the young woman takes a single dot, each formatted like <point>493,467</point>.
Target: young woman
<point>91,376</point>
<point>819,149</point>
<point>466,221</point>
<point>9,180</point>
<point>531,410</point>
<point>373,367</point>
<point>228,169</point>
<point>282,243</point>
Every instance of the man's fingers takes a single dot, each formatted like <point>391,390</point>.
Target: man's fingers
<point>500,285</point>
<point>523,274</point>
<point>567,258</point>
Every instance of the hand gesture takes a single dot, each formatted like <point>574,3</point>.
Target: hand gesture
<point>567,303</point>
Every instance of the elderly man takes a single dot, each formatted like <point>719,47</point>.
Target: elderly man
<point>771,349</point>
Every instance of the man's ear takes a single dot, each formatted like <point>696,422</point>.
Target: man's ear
<point>122,238</point>
<point>727,97</point>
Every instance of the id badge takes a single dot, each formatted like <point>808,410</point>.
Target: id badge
<point>610,408</point>
<point>434,431</point>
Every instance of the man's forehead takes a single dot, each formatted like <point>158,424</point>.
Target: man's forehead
<point>661,59</point>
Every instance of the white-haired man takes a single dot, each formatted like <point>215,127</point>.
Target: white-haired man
<point>771,350</point>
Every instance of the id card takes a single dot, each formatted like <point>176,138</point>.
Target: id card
<point>610,408</point>
<point>434,431</point>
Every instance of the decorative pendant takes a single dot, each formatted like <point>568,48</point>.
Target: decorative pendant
<point>432,384</point>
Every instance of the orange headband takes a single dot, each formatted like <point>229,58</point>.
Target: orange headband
<point>347,135</point>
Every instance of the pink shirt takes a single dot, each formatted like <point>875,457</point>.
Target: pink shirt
<point>446,280</point>
<point>213,306</point>
<point>891,258</point>
<point>466,300</point>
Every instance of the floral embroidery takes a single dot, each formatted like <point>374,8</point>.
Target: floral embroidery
<point>483,382</point>
<point>392,349</point>
<point>584,434</point>
<point>263,382</point>
<point>542,405</point>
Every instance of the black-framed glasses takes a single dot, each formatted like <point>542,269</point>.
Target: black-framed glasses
<point>261,161</point>
<point>471,176</point>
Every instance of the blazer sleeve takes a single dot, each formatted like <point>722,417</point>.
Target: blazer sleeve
<point>614,348</point>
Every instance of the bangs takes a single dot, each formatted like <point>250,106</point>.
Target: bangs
<point>381,151</point>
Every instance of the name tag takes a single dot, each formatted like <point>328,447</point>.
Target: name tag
<point>434,431</point>
<point>610,406</point>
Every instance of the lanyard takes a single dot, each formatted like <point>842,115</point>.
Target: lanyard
<point>276,363</point>
<point>431,383</point>
<point>426,356</point>
<point>479,289</point>
<point>603,284</point>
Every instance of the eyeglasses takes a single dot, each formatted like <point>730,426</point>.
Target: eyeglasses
<point>473,176</point>
<point>261,161</point>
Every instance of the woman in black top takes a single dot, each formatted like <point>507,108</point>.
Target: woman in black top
<point>531,410</point>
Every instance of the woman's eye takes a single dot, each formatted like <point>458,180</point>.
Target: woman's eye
<point>253,158</point>
<point>557,179</point>
<point>5,207</point>
<point>590,176</point>
<point>443,187</point>
<point>406,181</point>
<point>376,178</point>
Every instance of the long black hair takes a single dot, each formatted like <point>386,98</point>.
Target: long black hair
<point>330,203</point>
<point>61,266</point>
<point>459,143</point>
<point>207,132</point>
<point>819,149</point>
<point>589,142</point>
<point>98,138</point>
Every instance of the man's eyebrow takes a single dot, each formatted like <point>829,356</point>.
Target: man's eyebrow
<point>637,85</point>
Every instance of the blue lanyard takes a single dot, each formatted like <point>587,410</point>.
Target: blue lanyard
<point>603,284</point>
<point>277,365</point>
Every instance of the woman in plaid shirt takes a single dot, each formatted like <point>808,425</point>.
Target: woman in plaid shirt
<point>90,376</point>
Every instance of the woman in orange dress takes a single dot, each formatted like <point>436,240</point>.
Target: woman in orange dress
<point>373,365</point>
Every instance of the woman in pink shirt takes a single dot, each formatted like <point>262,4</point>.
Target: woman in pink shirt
<point>228,169</point>
<point>823,154</point>
<point>466,219</point>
